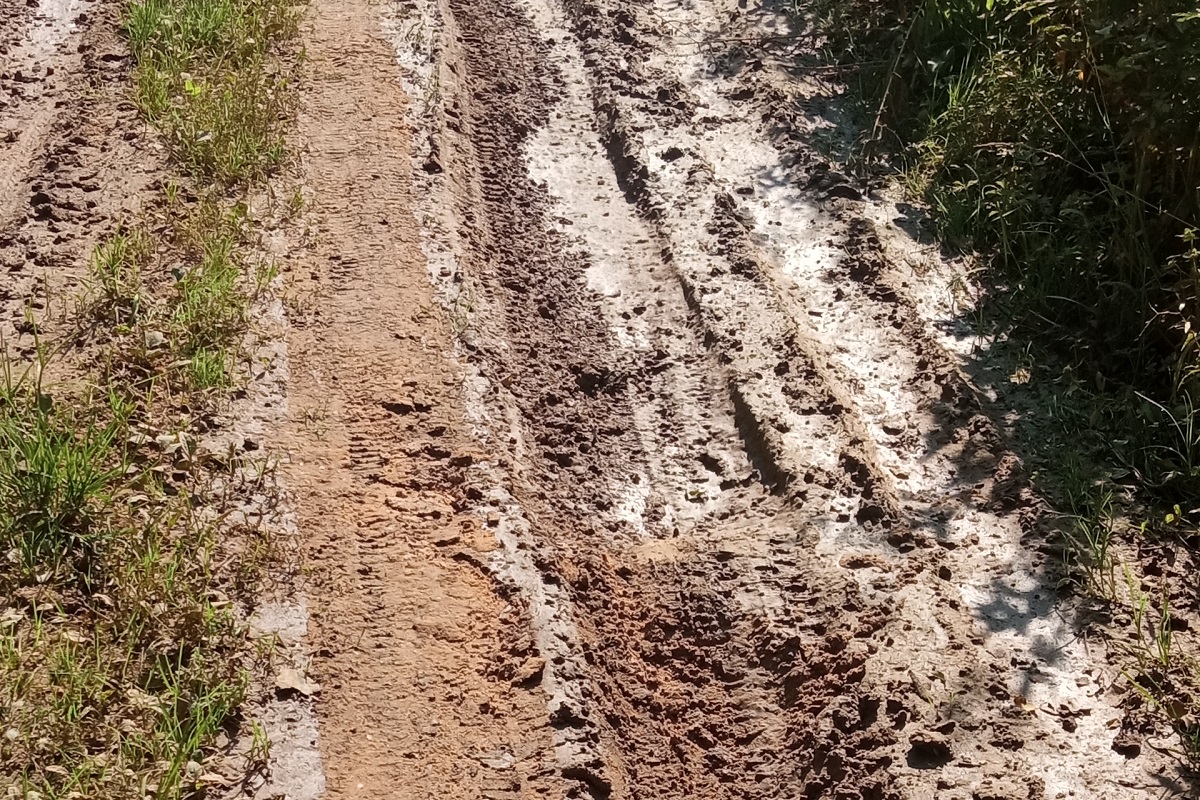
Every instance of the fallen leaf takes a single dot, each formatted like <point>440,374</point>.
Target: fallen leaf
<point>292,680</point>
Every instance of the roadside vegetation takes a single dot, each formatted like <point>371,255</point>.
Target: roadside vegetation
<point>124,550</point>
<point>1056,144</point>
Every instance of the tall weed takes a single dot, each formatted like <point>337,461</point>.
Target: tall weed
<point>1060,141</point>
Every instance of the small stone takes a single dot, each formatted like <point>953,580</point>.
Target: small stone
<point>530,670</point>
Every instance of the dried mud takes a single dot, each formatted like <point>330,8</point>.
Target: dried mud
<point>74,158</point>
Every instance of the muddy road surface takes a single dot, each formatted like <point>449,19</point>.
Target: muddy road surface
<point>634,456</point>
<point>631,445</point>
<point>74,157</point>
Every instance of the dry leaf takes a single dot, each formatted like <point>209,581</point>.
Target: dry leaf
<point>291,680</point>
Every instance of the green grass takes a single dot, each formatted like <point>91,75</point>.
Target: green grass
<point>115,293</point>
<point>210,303</point>
<point>207,78</point>
<point>58,466</point>
<point>118,666</point>
<point>1056,140</point>
<point>185,333</point>
<point>122,660</point>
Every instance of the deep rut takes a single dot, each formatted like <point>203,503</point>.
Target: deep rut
<point>711,450</point>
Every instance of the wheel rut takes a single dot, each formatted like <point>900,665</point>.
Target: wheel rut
<point>37,64</point>
<point>685,566</point>
<point>75,159</point>
<point>419,653</point>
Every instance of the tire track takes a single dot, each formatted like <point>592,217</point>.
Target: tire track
<point>951,483</point>
<point>684,609</point>
<point>424,661</point>
<point>37,70</point>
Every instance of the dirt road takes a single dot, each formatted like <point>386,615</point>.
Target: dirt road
<point>630,444</point>
<point>682,491</point>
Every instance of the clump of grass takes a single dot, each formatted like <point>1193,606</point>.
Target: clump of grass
<point>116,294</point>
<point>126,695</point>
<point>206,78</point>
<point>188,328</point>
<point>1059,143</point>
<point>209,307</point>
<point>58,466</point>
